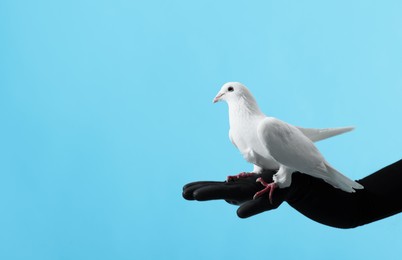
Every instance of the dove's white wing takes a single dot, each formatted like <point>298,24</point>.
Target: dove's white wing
<point>316,134</point>
<point>290,147</point>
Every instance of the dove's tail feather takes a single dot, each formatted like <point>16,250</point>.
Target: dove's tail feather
<point>340,181</point>
<point>318,134</point>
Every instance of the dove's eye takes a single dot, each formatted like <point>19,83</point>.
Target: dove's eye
<point>230,89</point>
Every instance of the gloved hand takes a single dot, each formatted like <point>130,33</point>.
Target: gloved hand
<point>237,192</point>
<point>314,198</point>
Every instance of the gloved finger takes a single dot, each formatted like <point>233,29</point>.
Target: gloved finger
<point>233,192</point>
<point>254,207</point>
<point>188,189</point>
<point>197,184</point>
<point>218,191</point>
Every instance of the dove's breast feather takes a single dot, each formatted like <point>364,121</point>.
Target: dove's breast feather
<point>245,138</point>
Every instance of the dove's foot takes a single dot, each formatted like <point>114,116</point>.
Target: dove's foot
<point>239,176</point>
<point>269,187</point>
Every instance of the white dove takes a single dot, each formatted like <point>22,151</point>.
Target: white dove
<point>270,143</point>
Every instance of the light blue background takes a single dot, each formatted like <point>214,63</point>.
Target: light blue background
<point>105,111</point>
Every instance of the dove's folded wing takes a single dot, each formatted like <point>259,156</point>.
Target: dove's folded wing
<point>317,134</point>
<point>289,146</point>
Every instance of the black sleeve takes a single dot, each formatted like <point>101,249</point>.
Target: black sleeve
<point>380,198</point>
<point>317,200</point>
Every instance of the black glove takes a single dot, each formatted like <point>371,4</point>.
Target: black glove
<point>314,198</point>
<point>237,192</point>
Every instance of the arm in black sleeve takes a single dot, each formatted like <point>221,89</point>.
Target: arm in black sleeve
<point>380,198</point>
<point>317,200</point>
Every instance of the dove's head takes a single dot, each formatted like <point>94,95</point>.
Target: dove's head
<point>233,92</point>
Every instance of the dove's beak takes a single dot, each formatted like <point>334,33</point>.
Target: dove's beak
<point>218,97</point>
